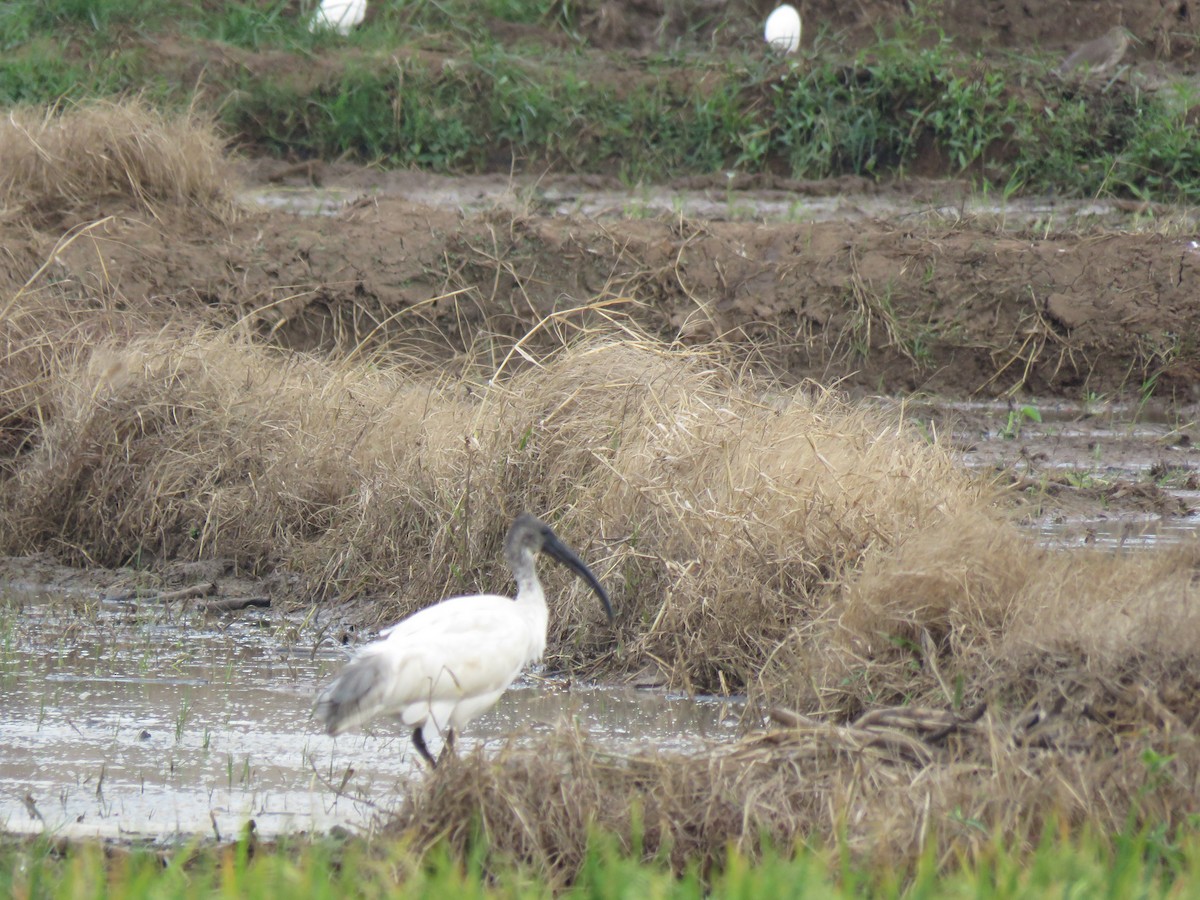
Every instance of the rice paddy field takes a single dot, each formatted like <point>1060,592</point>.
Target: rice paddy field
<point>864,378</point>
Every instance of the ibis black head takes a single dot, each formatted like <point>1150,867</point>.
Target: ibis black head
<point>530,536</point>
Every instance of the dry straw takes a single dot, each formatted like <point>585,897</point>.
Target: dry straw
<point>87,160</point>
<point>719,513</point>
<point>883,792</point>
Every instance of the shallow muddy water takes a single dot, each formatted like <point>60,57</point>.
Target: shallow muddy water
<point>127,721</point>
<point>1124,475</point>
<point>573,196</point>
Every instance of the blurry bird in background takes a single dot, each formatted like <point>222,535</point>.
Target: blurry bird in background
<point>782,31</point>
<point>1097,56</point>
<point>340,15</point>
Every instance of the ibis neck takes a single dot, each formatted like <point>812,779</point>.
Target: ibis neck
<point>531,601</point>
<point>529,588</point>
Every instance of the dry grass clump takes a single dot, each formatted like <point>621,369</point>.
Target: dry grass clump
<point>178,447</point>
<point>44,331</point>
<point>718,518</point>
<point>738,509</point>
<point>971,607</point>
<point>884,791</point>
<point>82,159</point>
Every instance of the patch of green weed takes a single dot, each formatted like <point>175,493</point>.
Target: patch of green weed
<point>434,85</point>
<point>1154,863</point>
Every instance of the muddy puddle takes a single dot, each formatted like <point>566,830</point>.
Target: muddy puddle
<point>129,721</point>
<point>1109,475</point>
<point>721,203</point>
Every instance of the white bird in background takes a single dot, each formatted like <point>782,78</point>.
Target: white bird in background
<point>341,15</point>
<point>449,663</point>
<point>783,29</point>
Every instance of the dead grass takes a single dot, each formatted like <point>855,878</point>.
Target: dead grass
<point>719,513</point>
<point>82,159</point>
<point>1000,691</point>
<point>979,606</point>
<point>884,791</point>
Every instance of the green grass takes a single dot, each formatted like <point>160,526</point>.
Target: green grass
<point>1142,865</point>
<point>430,85</point>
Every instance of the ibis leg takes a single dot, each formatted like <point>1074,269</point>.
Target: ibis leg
<point>418,740</point>
<point>448,746</point>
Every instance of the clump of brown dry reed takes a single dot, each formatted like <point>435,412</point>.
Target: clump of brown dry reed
<point>737,507</point>
<point>960,687</point>
<point>84,159</point>
<point>972,607</point>
<point>718,513</point>
<point>885,791</point>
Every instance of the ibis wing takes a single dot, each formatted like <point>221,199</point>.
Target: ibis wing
<point>457,656</point>
<point>356,695</point>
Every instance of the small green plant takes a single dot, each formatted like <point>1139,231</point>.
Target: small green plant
<point>1017,417</point>
<point>96,15</point>
<point>1156,765</point>
<point>182,717</point>
<point>1081,480</point>
<point>254,26</point>
<point>1159,861</point>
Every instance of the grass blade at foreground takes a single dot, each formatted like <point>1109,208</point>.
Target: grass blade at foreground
<point>1139,865</point>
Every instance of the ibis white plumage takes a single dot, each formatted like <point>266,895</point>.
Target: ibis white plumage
<point>783,29</point>
<point>449,663</point>
<point>340,15</point>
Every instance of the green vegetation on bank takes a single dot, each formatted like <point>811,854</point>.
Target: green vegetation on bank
<point>1141,865</point>
<point>432,85</point>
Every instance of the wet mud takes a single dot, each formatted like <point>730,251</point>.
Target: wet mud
<point>1102,474</point>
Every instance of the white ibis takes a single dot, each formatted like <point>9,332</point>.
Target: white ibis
<point>783,29</point>
<point>340,15</point>
<point>449,663</point>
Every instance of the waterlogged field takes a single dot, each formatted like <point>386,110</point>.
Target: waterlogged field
<point>865,380</point>
<point>129,719</point>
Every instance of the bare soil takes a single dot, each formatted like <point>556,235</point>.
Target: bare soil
<point>916,302</point>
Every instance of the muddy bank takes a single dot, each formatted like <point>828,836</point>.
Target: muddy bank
<point>897,305</point>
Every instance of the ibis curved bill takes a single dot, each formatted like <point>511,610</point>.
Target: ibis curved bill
<point>782,30</point>
<point>340,15</point>
<point>449,663</point>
